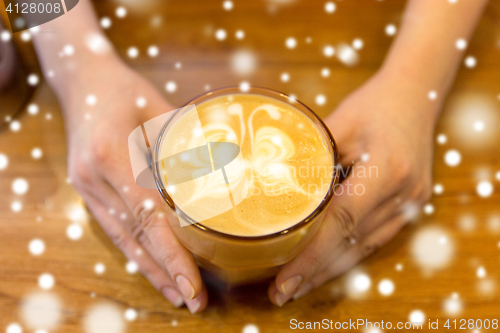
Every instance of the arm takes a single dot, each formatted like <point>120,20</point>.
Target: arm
<point>425,53</point>
<point>388,123</point>
<point>78,60</point>
<point>73,51</point>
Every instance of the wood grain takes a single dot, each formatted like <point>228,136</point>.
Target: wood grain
<point>184,32</point>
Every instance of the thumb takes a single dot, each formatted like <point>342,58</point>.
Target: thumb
<point>354,199</point>
<point>147,209</point>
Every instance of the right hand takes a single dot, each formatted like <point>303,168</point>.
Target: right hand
<point>100,170</point>
<point>391,135</point>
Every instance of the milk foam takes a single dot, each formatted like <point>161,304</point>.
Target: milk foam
<point>283,172</point>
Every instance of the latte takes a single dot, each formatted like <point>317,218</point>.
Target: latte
<point>279,176</point>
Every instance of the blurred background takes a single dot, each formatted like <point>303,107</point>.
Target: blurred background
<point>60,273</point>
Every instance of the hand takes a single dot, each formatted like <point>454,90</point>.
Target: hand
<point>100,169</point>
<point>386,129</point>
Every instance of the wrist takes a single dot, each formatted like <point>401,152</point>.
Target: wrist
<point>78,75</point>
<point>408,97</point>
<point>83,76</point>
<point>414,75</point>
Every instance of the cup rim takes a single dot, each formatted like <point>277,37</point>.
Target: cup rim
<point>256,90</point>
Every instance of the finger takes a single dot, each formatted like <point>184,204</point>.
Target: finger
<point>359,251</point>
<point>386,211</point>
<point>132,227</point>
<point>147,209</point>
<point>199,303</point>
<point>276,297</point>
<point>134,252</point>
<point>107,196</point>
<point>114,166</point>
<point>395,206</point>
<point>348,207</point>
<point>341,254</point>
<point>102,192</point>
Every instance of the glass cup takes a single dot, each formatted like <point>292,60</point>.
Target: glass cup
<point>238,260</point>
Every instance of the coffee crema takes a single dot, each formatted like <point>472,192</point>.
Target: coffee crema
<point>283,171</point>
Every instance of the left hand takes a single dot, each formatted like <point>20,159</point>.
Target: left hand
<point>99,168</point>
<point>385,128</point>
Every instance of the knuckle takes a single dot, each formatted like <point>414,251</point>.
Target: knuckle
<point>315,262</point>
<point>137,233</point>
<point>309,265</point>
<point>100,145</point>
<point>352,239</point>
<point>345,220</point>
<point>120,240</point>
<point>400,163</point>
<point>100,152</point>
<point>79,174</point>
<point>145,216</point>
<point>168,258</point>
<point>402,169</point>
<point>368,249</point>
<point>142,238</point>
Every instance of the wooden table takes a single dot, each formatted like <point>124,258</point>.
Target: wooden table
<point>185,32</point>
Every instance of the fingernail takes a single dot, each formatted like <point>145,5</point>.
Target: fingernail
<point>302,291</point>
<point>193,305</point>
<point>291,284</point>
<point>185,287</point>
<point>281,299</point>
<point>173,297</point>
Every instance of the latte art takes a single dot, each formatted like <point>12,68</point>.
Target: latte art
<point>267,193</point>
